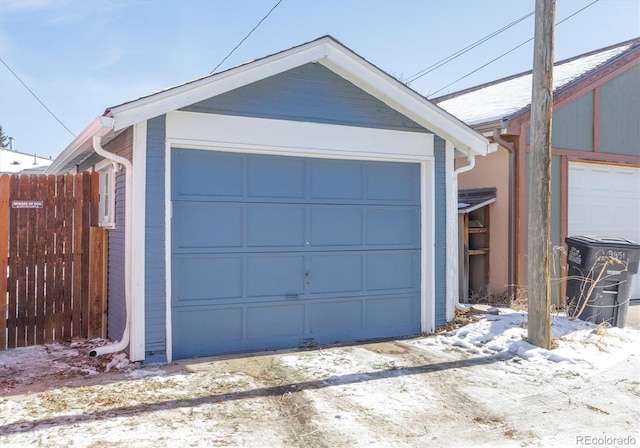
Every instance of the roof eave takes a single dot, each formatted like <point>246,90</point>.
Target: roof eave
<point>406,101</point>
<point>333,55</point>
<point>80,146</point>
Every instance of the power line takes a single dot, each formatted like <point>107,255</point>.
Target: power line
<point>455,55</point>
<point>36,97</point>
<point>513,49</point>
<point>245,37</point>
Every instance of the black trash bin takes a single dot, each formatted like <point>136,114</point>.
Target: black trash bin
<point>599,283</point>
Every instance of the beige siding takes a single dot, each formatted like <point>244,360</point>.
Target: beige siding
<point>493,171</point>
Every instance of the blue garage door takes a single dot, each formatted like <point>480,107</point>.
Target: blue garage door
<point>273,252</point>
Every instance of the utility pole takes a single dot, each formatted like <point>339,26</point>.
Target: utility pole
<point>539,195</point>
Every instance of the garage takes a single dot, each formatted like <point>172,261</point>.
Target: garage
<point>605,200</point>
<point>303,198</point>
<point>282,251</point>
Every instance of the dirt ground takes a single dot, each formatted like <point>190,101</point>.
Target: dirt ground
<point>428,391</point>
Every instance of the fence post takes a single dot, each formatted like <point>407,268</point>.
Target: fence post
<point>4,257</point>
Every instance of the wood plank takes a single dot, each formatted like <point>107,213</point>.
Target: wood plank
<point>4,257</point>
<point>95,199</point>
<point>67,237</point>
<point>50,265</point>
<point>77,299</point>
<point>21,302</point>
<point>13,266</point>
<point>59,258</point>
<point>86,228</point>
<point>29,263</point>
<point>97,282</point>
<point>41,248</point>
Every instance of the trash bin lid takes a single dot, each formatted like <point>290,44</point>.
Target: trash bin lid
<point>602,241</point>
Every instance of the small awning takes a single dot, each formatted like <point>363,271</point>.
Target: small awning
<point>475,198</point>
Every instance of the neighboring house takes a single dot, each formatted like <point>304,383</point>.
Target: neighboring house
<point>12,162</point>
<point>595,156</point>
<point>303,198</point>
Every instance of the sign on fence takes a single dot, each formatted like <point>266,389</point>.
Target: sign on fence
<point>27,204</point>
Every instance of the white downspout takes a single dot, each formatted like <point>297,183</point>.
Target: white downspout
<point>124,341</point>
<point>471,162</point>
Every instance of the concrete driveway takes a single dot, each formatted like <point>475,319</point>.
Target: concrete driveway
<point>480,385</point>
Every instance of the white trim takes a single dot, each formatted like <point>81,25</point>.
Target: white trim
<point>428,247</point>
<point>138,220</point>
<point>168,215</point>
<point>280,143</point>
<point>406,101</point>
<point>452,231</point>
<point>293,138</point>
<point>332,55</point>
<point>107,189</point>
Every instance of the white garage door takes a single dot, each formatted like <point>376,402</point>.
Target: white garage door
<point>605,200</point>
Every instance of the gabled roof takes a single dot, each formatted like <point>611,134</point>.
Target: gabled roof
<point>511,96</point>
<point>326,51</point>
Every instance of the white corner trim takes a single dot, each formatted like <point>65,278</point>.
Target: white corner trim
<point>168,215</point>
<point>139,176</point>
<point>452,232</point>
<point>428,247</point>
<point>282,137</point>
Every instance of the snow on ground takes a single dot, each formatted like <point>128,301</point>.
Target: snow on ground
<point>481,384</point>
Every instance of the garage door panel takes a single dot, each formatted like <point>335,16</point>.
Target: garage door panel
<point>336,180</point>
<point>275,275</point>
<point>276,177</point>
<point>275,321</point>
<point>393,182</point>
<point>336,273</point>
<point>391,311</point>
<point>392,271</point>
<point>336,226</point>
<point>202,278</point>
<point>196,324</point>
<point>392,226</point>
<point>336,317</point>
<point>207,226</point>
<point>223,173</point>
<point>277,226</point>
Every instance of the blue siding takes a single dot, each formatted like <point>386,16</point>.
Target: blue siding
<point>116,310</point>
<point>310,93</point>
<point>155,269</point>
<point>440,232</point>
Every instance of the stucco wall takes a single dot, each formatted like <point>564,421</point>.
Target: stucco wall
<point>493,171</point>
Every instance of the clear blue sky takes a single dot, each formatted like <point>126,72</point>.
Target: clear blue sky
<point>81,57</point>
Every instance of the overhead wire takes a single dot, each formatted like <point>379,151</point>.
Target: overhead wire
<point>510,51</point>
<point>36,97</point>
<point>464,50</point>
<point>245,37</point>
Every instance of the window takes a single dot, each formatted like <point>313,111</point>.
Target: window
<point>107,195</point>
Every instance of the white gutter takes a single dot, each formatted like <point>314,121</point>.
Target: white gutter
<point>471,162</point>
<point>124,341</point>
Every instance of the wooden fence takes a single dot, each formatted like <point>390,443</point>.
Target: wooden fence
<point>52,259</point>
